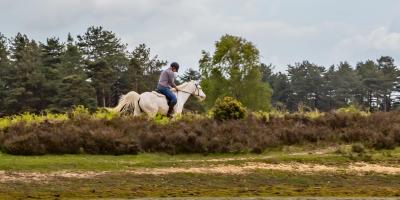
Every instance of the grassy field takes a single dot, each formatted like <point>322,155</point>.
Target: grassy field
<point>72,155</point>
<point>289,171</point>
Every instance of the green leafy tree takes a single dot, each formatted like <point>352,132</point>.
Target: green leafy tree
<point>258,95</point>
<point>234,70</point>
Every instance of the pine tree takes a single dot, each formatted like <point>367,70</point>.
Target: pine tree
<point>51,53</point>
<point>190,74</point>
<point>143,70</point>
<point>74,89</point>
<point>346,83</point>
<point>390,80</point>
<point>4,72</point>
<point>371,84</point>
<point>26,80</point>
<point>279,83</point>
<point>105,59</point>
<point>306,81</point>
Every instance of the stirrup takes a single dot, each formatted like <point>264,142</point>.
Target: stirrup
<point>170,111</point>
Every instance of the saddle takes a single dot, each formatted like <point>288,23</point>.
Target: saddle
<point>158,94</point>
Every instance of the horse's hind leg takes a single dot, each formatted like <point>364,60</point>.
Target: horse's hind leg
<point>137,112</point>
<point>150,110</point>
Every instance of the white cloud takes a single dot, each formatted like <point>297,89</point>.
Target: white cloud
<point>378,39</point>
<point>285,32</point>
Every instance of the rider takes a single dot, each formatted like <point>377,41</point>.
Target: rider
<point>166,81</point>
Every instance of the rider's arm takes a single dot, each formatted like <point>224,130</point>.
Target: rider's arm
<point>172,81</point>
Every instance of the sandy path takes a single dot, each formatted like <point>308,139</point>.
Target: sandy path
<point>356,169</point>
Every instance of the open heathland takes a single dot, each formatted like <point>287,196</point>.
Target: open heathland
<point>104,155</point>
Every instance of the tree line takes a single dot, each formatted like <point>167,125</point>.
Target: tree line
<point>234,69</point>
<point>370,85</point>
<point>92,69</point>
<point>95,68</point>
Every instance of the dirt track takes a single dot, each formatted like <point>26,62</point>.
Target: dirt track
<point>356,168</point>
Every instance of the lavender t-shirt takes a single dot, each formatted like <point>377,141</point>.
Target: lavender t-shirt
<point>167,78</point>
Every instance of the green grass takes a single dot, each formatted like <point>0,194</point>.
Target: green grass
<point>261,183</point>
<point>126,162</point>
<point>119,183</point>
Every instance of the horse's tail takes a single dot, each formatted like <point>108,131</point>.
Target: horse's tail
<point>127,102</point>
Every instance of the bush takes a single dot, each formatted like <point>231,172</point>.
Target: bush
<point>353,109</point>
<point>228,108</point>
<point>358,148</point>
<point>197,134</point>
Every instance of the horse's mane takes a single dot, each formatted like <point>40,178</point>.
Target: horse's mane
<point>181,86</point>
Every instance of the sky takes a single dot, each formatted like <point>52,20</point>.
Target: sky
<point>324,32</point>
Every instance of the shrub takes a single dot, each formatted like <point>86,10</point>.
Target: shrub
<point>195,134</point>
<point>314,114</point>
<point>358,148</point>
<point>161,119</point>
<point>228,108</point>
<point>102,113</point>
<point>30,118</point>
<point>353,109</point>
<point>79,112</point>
<point>15,141</point>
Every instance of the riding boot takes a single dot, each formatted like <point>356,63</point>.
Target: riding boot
<point>170,110</point>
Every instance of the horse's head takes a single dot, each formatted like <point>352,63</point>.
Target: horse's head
<point>195,88</point>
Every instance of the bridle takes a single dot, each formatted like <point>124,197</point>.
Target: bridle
<point>197,89</point>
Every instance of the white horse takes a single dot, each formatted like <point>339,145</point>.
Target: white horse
<point>154,102</point>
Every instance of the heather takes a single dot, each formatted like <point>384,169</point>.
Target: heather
<point>103,132</point>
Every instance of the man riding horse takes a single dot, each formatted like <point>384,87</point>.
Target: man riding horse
<point>165,83</point>
<point>152,103</point>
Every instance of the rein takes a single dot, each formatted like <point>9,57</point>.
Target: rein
<point>197,88</point>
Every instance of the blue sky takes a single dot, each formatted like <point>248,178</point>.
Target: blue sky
<point>285,31</point>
